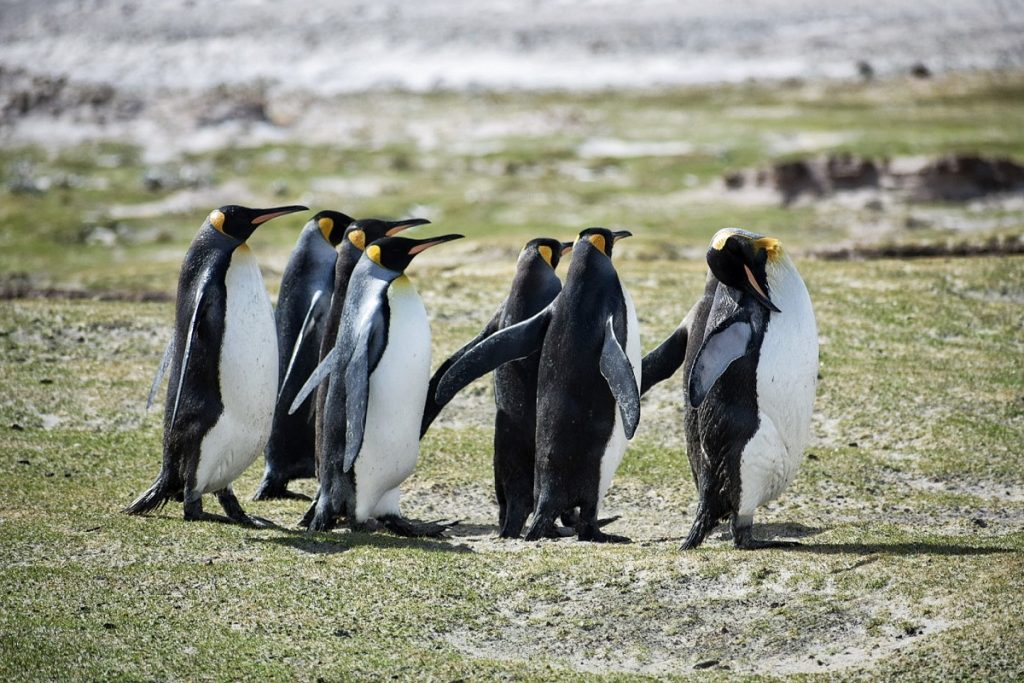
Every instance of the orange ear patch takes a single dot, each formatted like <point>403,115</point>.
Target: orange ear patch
<point>358,238</point>
<point>326,225</point>
<point>373,252</point>
<point>545,253</point>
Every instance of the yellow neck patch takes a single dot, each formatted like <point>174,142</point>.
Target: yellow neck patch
<point>216,219</point>
<point>545,253</point>
<point>373,252</point>
<point>358,238</point>
<point>597,241</point>
<point>326,225</point>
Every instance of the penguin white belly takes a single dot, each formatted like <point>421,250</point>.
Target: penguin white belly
<point>394,410</point>
<point>787,377</point>
<point>616,447</point>
<point>248,377</point>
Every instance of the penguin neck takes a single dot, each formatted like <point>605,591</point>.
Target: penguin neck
<point>533,270</point>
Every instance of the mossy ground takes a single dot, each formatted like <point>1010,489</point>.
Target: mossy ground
<point>910,506</point>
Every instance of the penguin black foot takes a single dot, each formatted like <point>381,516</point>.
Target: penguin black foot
<point>274,488</point>
<point>235,513</point>
<point>595,535</point>
<point>410,529</point>
<point>743,538</point>
<point>555,531</point>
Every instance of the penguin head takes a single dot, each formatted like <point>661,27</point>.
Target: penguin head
<point>239,222</point>
<point>368,230</point>
<point>551,250</point>
<point>332,225</point>
<point>603,238</point>
<point>396,253</point>
<point>740,260</point>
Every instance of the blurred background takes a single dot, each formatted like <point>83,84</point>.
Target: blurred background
<point>842,126</point>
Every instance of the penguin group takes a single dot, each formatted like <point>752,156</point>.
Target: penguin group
<point>336,384</point>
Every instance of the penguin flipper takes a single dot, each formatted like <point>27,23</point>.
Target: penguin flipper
<point>325,368</point>
<point>367,352</point>
<point>308,323</point>
<point>617,370</point>
<point>433,406</point>
<point>193,328</point>
<point>662,362</point>
<point>726,343</point>
<point>161,369</point>
<point>512,343</point>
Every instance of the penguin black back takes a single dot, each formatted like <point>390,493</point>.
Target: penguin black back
<point>302,304</point>
<point>534,287</point>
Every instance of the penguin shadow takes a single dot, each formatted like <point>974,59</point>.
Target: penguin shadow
<point>336,542</point>
<point>473,531</point>
<point>772,531</point>
<point>899,549</point>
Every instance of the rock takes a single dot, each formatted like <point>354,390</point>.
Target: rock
<point>919,70</point>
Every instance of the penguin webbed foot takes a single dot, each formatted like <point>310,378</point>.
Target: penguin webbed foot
<point>271,489</point>
<point>595,535</point>
<point>233,509</point>
<point>401,526</point>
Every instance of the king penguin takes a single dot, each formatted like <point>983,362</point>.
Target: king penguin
<point>350,251</point>
<point>749,351</point>
<point>587,387</point>
<point>534,286</point>
<point>379,369</point>
<point>304,312</point>
<point>223,368</point>
<point>302,302</point>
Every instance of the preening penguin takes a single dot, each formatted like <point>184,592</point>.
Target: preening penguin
<point>749,350</point>
<point>302,303</point>
<point>534,286</point>
<point>223,368</point>
<point>587,387</point>
<point>379,368</point>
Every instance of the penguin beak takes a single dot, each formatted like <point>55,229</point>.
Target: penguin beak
<point>757,292</point>
<point>423,245</point>
<point>264,215</point>
<point>395,227</point>
<point>566,248</point>
<point>621,234</point>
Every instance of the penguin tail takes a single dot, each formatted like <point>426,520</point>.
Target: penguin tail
<point>703,524</point>
<point>154,498</point>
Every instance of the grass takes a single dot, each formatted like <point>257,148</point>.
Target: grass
<point>910,505</point>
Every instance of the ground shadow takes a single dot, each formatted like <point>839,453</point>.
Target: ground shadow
<point>462,530</point>
<point>341,540</point>
<point>907,548</point>
<point>723,532</point>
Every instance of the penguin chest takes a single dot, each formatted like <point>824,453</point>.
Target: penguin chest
<point>616,448</point>
<point>397,393</point>
<point>248,366</point>
<point>786,381</point>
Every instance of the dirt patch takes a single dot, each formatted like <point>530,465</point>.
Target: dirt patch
<point>21,286</point>
<point>994,246</point>
<point>950,178</point>
<point>745,622</point>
